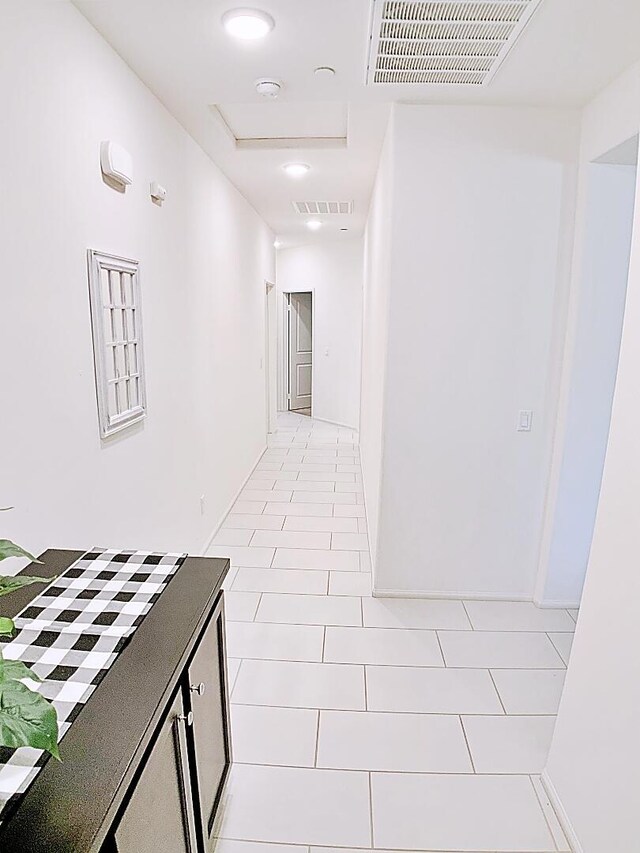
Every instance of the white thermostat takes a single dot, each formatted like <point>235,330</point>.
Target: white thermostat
<point>116,163</point>
<point>158,192</point>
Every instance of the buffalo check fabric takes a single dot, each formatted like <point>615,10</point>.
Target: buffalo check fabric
<point>71,634</point>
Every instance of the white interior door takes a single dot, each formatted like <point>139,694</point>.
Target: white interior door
<point>300,350</point>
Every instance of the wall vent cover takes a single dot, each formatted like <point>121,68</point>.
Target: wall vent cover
<point>443,42</point>
<point>323,208</point>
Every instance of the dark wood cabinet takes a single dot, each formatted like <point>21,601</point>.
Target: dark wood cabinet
<point>145,762</point>
<point>172,806</point>
<point>159,813</point>
<point>211,738</point>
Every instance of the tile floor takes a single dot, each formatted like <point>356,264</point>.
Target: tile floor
<point>363,723</point>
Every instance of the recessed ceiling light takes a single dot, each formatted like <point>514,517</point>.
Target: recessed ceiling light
<point>247,24</point>
<point>297,170</point>
<point>277,244</point>
<point>314,224</point>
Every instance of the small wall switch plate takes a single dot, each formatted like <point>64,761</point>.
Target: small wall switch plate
<point>203,500</point>
<point>525,420</point>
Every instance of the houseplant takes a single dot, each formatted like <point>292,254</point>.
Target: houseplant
<point>26,717</point>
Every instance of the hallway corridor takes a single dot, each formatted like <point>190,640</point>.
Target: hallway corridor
<point>361,722</point>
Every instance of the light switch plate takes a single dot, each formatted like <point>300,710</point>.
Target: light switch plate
<point>525,420</point>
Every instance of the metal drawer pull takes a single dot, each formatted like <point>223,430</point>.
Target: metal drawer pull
<point>198,688</point>
<point>186,718</point>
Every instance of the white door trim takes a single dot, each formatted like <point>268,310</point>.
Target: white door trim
<point>284,347</point>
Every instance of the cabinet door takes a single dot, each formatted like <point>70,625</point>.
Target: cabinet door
<point>159,815</point>
<point>209,701</point>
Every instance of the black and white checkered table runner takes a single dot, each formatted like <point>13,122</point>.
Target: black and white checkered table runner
<point>71,634</point>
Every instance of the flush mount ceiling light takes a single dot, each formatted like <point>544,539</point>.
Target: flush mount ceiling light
<point>314,224</point>
<point>277,244</point>
<point>247,24</point>
<point>297,170</point>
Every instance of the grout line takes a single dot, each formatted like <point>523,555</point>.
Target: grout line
<point>438,631</point>
<point>445,773</point>
<point>387,712</point>
<point>466,613</point>
<point>564,663</point>
<point>444,660</point>
<point>371,810</point>
<point>466,740</point>
<point>315,755</point>
<point>257,606</point>
<point>324,640</point>
<point>232,686</point>
<point>383,665</point>
<point>295,846</point>
<point>495,686</point>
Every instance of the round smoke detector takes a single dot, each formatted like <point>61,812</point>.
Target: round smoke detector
<point>268,88</point>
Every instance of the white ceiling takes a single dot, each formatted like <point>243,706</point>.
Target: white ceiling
<point>569,52</point>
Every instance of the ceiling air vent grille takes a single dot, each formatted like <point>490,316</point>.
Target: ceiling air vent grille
<point>450,42</point>
<point>323,208</point>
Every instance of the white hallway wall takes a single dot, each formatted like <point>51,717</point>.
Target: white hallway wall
<point>333,270</point>
<point>204,256</point>
<point>377,284</point>
<point>483,200</point>
<point>593,765</point>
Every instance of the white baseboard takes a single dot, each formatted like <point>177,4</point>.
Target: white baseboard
<point>425,593</point>
<point>207,544</point>
<point>561,814</point>
<point>557,604</point>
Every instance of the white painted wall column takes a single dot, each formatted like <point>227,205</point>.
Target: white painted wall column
<point>473,258</point>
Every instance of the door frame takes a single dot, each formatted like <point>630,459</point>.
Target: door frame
<point>283,401</point>
<point>270,357</point>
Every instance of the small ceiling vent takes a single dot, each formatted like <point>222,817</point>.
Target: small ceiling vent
<point>447,42</point>
<point>323,208</point>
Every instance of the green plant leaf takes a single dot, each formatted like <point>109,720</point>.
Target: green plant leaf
<point>15,670</point>
<point>11,584</point>
<point>27,719</point>
<point>7,625</point>
<point>10,549</point>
